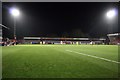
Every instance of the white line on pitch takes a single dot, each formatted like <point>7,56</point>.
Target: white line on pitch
<point>94,56</point>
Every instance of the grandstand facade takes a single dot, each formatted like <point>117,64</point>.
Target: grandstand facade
<point>114,38</point>
<point>47,40</point>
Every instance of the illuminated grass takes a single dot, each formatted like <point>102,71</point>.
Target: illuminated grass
<point>53,61</point>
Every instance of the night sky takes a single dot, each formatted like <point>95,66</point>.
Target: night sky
<point>60,19</point>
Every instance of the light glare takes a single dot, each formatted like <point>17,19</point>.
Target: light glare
<point>111,14</point>
<point>15,12</point>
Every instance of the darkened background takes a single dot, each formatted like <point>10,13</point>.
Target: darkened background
<point>60,19</point>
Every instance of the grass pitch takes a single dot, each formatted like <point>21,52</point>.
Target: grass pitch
<point>54,61</point>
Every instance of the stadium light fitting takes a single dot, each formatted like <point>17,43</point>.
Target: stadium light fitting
<point>111,14</point>
<point>15,12</point>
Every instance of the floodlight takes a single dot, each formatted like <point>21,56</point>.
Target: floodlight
<point>111,14</point>
<point>15,12</point>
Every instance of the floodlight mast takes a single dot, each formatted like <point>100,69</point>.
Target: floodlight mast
<point>15,13</point>
<point>14,28</point>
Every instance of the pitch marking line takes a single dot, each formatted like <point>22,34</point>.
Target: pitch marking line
<point>94,56</point>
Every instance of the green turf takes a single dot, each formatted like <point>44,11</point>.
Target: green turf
<point>53,61</point>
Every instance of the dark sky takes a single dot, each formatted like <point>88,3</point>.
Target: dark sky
<point>60,19</point>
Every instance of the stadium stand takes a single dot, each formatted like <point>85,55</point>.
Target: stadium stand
<point>114,38</point>
<point>46,40</point>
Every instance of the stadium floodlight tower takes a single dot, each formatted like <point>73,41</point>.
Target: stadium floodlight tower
<point>15,13</point>
<point>111,16</point>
